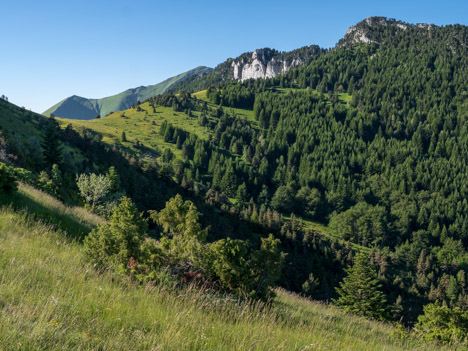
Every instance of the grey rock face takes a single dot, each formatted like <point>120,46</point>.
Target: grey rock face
<point>261,65</point>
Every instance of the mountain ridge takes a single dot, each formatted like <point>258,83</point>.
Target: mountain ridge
<point>260,63</point>
<point>77,107</point>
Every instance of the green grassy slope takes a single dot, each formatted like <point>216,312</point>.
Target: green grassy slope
<point>52,299</point>
<point>76,221</point>
<point>26,129</point>
<point>22,123</point>
<point>139,126</point>
<point>77,107</point>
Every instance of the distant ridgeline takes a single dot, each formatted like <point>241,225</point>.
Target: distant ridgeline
<point>262,63</point>
<point>76,107</point>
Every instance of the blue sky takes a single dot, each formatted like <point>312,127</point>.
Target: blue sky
<point>54,49</point>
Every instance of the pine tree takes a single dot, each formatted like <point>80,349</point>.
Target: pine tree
<point>229,183</point>
<point>114,179</point>
<point>51,145</point>
<point>360,291</point>
<point>56,177</point>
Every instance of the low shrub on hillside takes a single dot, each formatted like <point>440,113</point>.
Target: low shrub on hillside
<point>439,322</point>
<point>8,182</point>
<point>182,253</point>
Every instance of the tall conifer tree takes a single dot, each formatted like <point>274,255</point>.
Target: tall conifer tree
<point>360,291</point>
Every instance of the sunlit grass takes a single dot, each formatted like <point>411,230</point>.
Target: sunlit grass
<point>52,299</point>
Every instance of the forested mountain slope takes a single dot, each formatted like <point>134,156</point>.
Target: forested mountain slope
<point>363,149</point>
<point>370,138</point>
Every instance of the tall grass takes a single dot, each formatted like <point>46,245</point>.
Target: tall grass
<point>52,299</point>
<point>76,221</point>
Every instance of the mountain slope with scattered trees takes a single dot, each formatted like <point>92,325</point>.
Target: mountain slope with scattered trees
<point>356,161</point>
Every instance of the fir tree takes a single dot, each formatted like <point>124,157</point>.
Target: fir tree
<point>360,291</point>
<point>114,179</point>
<point>52,148</point>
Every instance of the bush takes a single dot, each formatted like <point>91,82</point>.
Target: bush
<point>116,242</point>
<point>442,323</point>
<point>238,269</point>
<point>93,188</point>
<point>27,176</point>
<point>8,182</point>
<point>182,251</point>
<point>247,274</point>
<point>229,264</point>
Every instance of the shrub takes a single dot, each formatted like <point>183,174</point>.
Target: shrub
<point>93,188</point>
<point>115,242</point>
<point>8,182</point>
<point>439,322</point>
<point>229,264</point>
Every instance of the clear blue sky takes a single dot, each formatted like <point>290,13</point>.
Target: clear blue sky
<point>54,49</point>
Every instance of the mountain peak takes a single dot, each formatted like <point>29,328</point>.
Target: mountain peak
<point>372,30</point>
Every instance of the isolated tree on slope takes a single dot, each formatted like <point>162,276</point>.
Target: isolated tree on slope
<point>52,148</point>
<point>93,188</point>
<point>360,291</point>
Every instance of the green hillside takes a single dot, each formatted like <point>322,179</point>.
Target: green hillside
<point>343,180</point>
<point>369,157</point>
<point>65,304</point>
<point>76,107</point>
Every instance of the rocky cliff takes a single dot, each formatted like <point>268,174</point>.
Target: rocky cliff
<point>264,63</point>
<point>261,63</point>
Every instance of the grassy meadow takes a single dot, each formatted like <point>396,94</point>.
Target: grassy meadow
<point>52,299</point>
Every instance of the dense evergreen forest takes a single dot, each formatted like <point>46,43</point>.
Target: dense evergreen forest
<point>368,139</point>
<point>371,139</point>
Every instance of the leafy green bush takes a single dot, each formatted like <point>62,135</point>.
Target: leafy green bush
<point>244,272</point>
<point>182,251</point>
<point>93,188</point>
<point>8,182</point>
<point>183,237</point>
<point>26,176</point>
<point>266,265</point>
<point>230,265</point>
<point>116,242</point>
<point>439,322</point>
